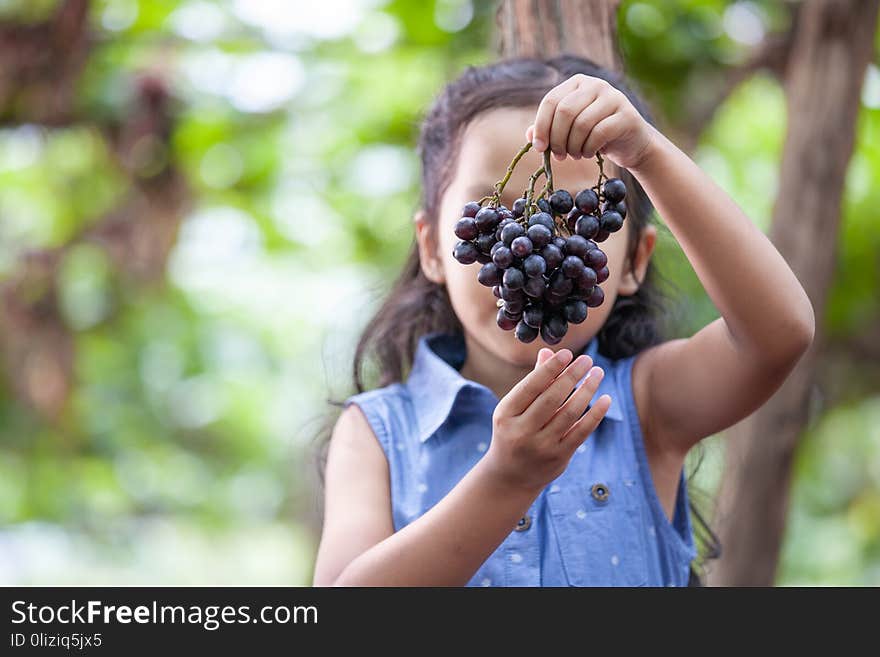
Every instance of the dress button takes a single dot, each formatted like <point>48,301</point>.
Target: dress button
<point>523,523</point>
<point>600,492</point>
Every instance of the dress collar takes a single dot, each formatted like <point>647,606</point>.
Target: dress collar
<point>435,380</point>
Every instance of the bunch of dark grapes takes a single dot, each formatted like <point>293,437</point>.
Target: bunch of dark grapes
<point>545,265</point>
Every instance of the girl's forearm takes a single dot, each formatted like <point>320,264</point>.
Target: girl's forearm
<point>759,297</point>
<point>449,543</point>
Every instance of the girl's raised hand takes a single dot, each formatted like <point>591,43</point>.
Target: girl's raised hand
<point>538,424</point>
<point>585,114</point>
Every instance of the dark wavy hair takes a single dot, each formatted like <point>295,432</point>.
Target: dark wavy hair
<point>416,306</point>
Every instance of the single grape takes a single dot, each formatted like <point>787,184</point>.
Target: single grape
<point>556,325</point>
<point>465,252</point>
<point>487,219</point>
<point>495,248</point>
<point>602,235</point>
<point>503,257</point>
<point>519,207</point>
<point>504,321</point>
<point>587,226</point>
<point>485,243</point>
<point>504,213</point>
<point>576,245</point>
<point>559,241</point>
<point>512,295</point>
<point>574,311</point>
<point>596,297</point>
<point>572,266</point>
<point>611,221</point>
<point>552,256</point>
<point>602,275</point>
<point>534,265</point>
<point>535,287</point>
<point>586,201</point>
<point>466,229</point>
<point>470,209</point>
<point>482,258</point>
<point>514,279</point>
<point>544,205</point>
<point>586,279</point>
<point>614,190</point>
<point>547,336</point>
<point>497,291</point>
<point>511,231</point>
<point>533,315</point>
<point>596,259</point>
<point>521,247</point>
<point>513,309</point>
<point>543,219</point>
<point>500,228</point>
<point>540,235</point>
<point>561,202</point>
<point>489,274</point>
<point>525,333</point>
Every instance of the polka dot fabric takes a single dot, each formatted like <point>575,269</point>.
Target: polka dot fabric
<point>599,523</point>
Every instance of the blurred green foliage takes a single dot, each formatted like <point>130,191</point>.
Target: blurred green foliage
<point>184,455</point>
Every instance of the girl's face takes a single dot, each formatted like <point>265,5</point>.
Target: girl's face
<point>489,143</point>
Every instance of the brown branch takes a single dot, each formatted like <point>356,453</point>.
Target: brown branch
<point>831,49</point>
<point>40,64</point>
<point>36,345</point>
<point>771,55</point>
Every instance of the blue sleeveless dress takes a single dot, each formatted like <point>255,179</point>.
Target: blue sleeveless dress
<point>600,523</point>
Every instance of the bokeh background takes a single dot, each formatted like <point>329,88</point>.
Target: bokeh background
<point>200,204</point>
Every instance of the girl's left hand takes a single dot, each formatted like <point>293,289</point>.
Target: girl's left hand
<point>585,114</point>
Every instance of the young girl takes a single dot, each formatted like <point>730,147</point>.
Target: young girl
<point>480,466</point>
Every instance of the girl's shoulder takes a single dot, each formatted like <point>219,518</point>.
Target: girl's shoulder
<point>385,409</point>
<point>390,392</point>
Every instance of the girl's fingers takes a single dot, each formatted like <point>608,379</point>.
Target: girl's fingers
<point>546,109</point>
<point>575,405</point>
<point>544,355</point>
<point>585,121</point>
<point>533,384</point>
<point>549,401</point>
<point>603,132</point>
<point>581,429</point>
<point>566,112</point>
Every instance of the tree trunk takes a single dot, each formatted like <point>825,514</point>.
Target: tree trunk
<point>545,28</point>
<point>832,46</point>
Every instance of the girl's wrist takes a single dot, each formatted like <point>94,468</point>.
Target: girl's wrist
<point>652,154</point>
<point>503,485</point>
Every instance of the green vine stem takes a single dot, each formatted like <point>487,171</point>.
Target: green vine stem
<point>530,193</point>
<point>547,171</point>
<point>548,186</point>
<point>495,197</point>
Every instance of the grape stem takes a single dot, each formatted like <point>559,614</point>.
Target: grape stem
<point>499,186</point>
<point>598,185</point>
<point>548,170</point>
<point>530,193</point>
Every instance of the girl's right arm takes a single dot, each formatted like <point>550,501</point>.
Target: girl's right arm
<point>535,432</point>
